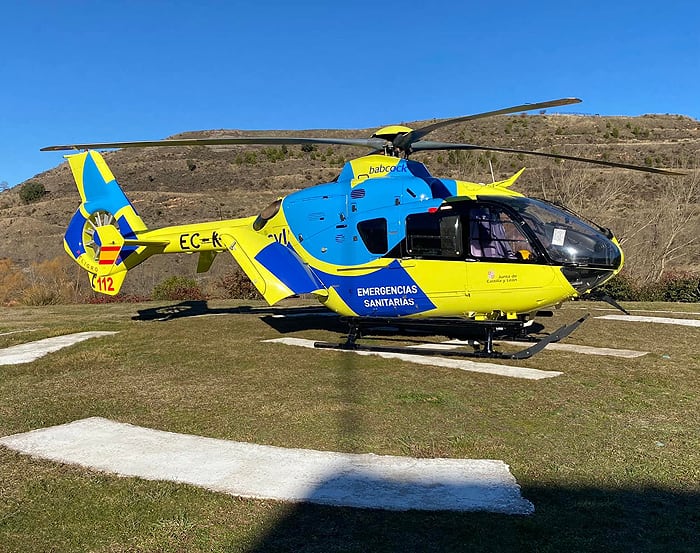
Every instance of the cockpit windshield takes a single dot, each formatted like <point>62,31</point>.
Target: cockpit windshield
<point>566,238</point>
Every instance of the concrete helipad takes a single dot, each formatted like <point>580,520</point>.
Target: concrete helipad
<point>268,472</point>
<point>660,320</point>
<point>26,353</point>
<point>588,350</point>
<point>436,361</point>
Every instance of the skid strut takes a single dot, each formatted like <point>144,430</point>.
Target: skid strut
<point>484,347</point>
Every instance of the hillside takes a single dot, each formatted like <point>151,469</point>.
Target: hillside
<point>180,185</point>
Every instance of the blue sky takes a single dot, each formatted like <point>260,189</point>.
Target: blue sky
<point>139,70</point>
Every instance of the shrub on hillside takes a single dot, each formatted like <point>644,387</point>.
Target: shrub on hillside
<point>43,283</point>
<point>620,287</point>
<point>52,282</point>
<point>681,286</point>
<point>237,285</point>
<point>31,192</point>
<point>13,282</point>
<point>178,288</point>
<point>275,154</point>
<point>42,295</point>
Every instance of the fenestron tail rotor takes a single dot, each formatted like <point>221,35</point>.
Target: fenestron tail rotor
<point>91,242</point>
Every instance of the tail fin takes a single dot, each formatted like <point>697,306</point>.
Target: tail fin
<point>98,235</point>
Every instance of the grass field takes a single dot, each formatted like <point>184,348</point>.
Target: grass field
<point>608,452</point>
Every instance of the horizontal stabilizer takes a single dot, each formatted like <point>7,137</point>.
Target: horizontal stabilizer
<point>138,242</point>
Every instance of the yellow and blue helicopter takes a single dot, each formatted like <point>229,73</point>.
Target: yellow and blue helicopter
<point>384,243</point>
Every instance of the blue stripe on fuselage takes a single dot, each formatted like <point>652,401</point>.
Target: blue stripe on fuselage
<point>287,266</point>
<point>386,292</point>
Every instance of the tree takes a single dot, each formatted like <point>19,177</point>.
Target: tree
<point>31,192</point>
<point>582,192</point>
<point>668,232</point>
<point>656,234</point>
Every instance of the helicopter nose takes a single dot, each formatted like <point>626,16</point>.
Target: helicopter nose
<point>586,278</point>
<point>616,256</point>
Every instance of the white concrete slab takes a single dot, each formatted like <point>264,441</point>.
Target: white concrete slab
<point>587,350</point>
<point>661,320</point>
<point>448,345</point>
<point>17,331</point>
<point>268,472</point>
<point>435,361</point>
<point>644,311</point>
<point>26,353</point>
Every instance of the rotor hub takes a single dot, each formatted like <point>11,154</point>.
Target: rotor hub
<point>390,134</point>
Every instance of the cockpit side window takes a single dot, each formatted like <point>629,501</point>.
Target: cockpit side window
<point>493,234</point>
<point>564,237</point>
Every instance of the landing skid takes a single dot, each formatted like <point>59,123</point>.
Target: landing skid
<point>483,345</point>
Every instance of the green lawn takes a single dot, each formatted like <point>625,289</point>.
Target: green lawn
<point>609,452</point>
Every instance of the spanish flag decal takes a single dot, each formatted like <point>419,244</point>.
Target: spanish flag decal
<point>108,254</point>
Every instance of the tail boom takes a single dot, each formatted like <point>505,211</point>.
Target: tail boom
<point>107,238</point>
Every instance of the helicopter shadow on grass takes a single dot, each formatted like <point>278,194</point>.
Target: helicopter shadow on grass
<point>582,519</point>
<point>284,320</point>
<point>199,308</point>
<point>287,320</point>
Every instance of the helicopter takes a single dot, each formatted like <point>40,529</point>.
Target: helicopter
<point>384,243</point>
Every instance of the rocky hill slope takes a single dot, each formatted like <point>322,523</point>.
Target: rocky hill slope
<point>656,217</point>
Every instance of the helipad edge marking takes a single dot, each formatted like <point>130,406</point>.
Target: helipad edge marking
<point>435,361</point>
<point>268,472</point>
<point>588,350</point>
<point>17,331</point>
<point>25,353</point>
<point>642,319</point>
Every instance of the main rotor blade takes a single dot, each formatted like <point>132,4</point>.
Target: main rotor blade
<point>374,143</point>
<point>406,140</point>
<point>425,145</point>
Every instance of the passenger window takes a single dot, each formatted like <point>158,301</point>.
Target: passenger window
<point>433,235</point>
<point>374,235</point>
